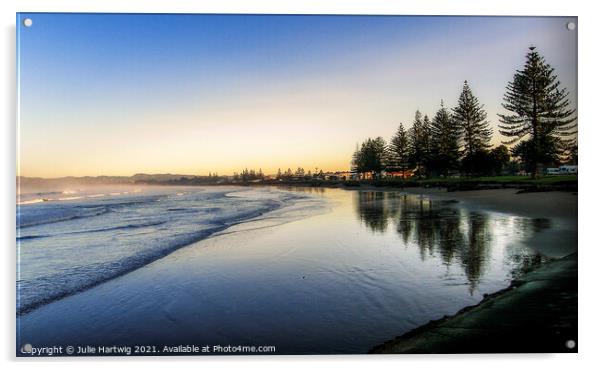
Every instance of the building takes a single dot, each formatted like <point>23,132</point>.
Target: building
<point>401,174</point>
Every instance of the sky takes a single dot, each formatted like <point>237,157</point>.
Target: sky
<point>107,94</point>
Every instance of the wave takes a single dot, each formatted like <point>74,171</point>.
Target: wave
<point>71,198</point>
<point>33,201</point>
<point>59,216</point>
<point>59,213</point>
<point>124,227</point>
<point>205,215</point>
<point>79,279</point>
<point>54,196</point>
<point>28,237</point>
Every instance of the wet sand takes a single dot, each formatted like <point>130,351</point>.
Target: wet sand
<point>557,208</point>
<point>557,204</point>
<point>538,312</point>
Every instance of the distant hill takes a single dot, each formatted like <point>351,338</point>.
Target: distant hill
<point>139,178</point>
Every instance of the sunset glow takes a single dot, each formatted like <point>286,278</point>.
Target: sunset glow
<point>193,94</point>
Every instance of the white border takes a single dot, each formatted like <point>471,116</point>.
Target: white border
<point>589,141</point>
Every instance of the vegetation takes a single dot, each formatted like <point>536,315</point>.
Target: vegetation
<point>452,149</point>
<point>419,143</point>
<point>444,140</point>
<point>510,179</point>
<point>540,115</point>
<point>540,124</point>
<point>371,157</point>
<point>399,152</point>
<point>475,131</point>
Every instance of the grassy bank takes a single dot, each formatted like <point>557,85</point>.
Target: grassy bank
<point>525,183</point>
<point>494,180</point>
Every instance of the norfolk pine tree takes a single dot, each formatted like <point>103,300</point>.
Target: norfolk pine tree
<point>418,139</point>
<point>475,132</point>
<point>541,112</point>
<point>445,134</point>
<point>399,150</point>
<point>426,143</point>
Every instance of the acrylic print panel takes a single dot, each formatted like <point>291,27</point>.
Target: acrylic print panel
<point>287,184</point>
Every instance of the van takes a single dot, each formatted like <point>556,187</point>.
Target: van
<point>568,170</point>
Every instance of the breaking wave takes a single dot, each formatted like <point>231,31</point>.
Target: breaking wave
<point>68,247</point>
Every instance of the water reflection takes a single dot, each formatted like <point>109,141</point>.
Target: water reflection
<point>440,228</point>
<point>475,251</point>
<point>303,189</point>
<point>373,211</point>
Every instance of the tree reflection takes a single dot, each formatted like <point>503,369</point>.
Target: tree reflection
<point>439,229</point>
<point>372,210</point>
<point>304,189</point>
<point>451,240</point>
<point>476,252</point>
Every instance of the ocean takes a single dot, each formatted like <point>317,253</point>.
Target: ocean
<point>71,240</point>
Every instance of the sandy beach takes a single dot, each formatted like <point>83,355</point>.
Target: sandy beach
<point>537,313</point>
<point>557,204</point>
<point>557,207</point>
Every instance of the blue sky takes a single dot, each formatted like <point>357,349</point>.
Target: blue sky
<point>121,94</point>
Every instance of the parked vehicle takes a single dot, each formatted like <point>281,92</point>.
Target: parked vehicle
<point>568,170</point>
<point>552,171</point>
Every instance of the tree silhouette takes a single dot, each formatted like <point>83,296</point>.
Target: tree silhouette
<point>474,128</point>
<point>444,139</point>
<point>540,113</point>
<point>399,151</point>
<point>371,156</point>
<point>419,137</point>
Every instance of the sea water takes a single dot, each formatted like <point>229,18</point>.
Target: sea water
<point>73,239</point>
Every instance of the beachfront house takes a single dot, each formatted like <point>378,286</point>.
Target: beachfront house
<point>400,174</point>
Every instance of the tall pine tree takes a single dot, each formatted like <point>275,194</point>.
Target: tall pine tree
<point>399,151</point>
<point>472,119</point>
<point>445,134</point>
<point>371,157</point>
<point>418,136</point>
<point>425,143</point>
<point>475,131</point>
<point>541,113</point>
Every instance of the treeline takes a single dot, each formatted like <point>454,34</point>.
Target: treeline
<point>541,126</point>
<point>248,175</point>
<point>299,174</point>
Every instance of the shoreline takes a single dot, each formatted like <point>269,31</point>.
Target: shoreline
<point>202,235</point>
<point>555,211</point>
<point>538,315</point>
<point>524,307</point>
<point>549,204</point>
